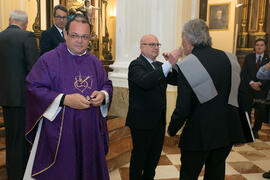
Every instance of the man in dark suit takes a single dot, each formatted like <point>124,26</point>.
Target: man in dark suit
<point>147,80</point>
<point>207,103</point>
<point>18,53</point>
<point>257,90</point>
<point>53,36</point>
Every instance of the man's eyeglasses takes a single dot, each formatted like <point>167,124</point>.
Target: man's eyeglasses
<point>85,37</point>
<point>61,17</point>
<point>152,45</point>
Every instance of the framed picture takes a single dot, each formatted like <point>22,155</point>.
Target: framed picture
<point>218,16</point>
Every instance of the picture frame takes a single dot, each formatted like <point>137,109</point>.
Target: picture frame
<point>218,16</point>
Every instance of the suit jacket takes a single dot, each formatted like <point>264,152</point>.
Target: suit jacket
<point>147,94</point>
<point>248,73</point>
<point>18,53</point>
<point>50,39</point>
<point>213,124</point>
<point>262,74</point>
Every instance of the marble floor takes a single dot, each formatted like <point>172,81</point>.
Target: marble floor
<point>246,162</point>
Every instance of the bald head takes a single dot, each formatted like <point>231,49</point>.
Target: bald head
<point>149,46</point>
<point>19,18</point>
<point>148,37</point>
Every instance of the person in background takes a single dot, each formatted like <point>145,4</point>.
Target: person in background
<point>207,104</point>
<point>18,53</point>
<point>68,95</point>
<point>146,118</point>
<point>257,90</point>
<point>55,35</point>
<point>264,73</point>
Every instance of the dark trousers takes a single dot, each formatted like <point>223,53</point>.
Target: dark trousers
<point>16,145</point>
<point>260,116</point>
<point>147,147</point>
<point>192,163</point>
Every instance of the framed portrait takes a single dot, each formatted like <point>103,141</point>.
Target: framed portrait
<point>218,16</point>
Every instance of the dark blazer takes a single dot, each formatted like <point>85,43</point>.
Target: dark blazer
<point>50,39</point>
<point>18,53</point>
<point>147,93</point>
<point>213,124</point>
<point>248,73</point>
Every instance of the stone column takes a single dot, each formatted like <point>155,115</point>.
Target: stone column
<point>134,19</point>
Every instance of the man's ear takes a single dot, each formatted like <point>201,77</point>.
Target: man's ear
<point>24,25</point>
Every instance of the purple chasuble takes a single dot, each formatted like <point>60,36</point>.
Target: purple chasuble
<point>74,144</point>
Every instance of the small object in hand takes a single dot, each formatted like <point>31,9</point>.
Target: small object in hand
<point>89,98</point>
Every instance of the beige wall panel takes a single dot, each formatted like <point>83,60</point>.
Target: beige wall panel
<point>15,4</point>
<point>43,23</point>
<point>1,16</point>
<point>5,10</point>
<point>171,102</point>
<point>30,6</point>
<point>31,9</point>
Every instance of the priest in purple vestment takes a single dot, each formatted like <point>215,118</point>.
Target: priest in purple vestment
<point>68,95</point>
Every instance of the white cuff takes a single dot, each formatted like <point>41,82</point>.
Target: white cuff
<point>166,66</point>
<point>104,108</point>
<point>106,96</point>
<point>54,109</point>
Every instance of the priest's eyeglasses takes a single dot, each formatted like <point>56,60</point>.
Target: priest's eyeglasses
<point>152,45</point>
<point>85,37</point>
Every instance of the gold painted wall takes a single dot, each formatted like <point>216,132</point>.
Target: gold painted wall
<point>111,23</point>
<point>30,6</point>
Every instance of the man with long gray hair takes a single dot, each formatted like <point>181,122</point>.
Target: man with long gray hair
<point>207,104</point>
<point>18,53</point>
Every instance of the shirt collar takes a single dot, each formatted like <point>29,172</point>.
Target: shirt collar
<point>77,54</point>
<point>149,60</point>
<point>257,56</point>
<point>16,25</point>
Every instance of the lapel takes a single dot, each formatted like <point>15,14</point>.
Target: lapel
<point>265,59</point>
<point>252,65</point>
<point>162,81</point>
<point>146,64</point>
<point>253,59</point>
<point>57,34</point>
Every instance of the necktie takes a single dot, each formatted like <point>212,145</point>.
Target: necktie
<point>258,62</point>
<point>162,85</point>
<point>155,64</point>
<point>62,34</point>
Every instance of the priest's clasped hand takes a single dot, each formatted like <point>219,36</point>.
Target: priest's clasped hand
<point>76,101</point>
<point>97,98</point>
